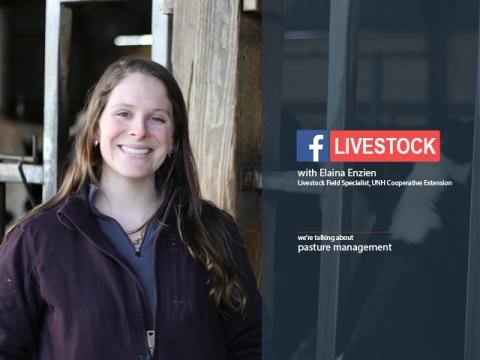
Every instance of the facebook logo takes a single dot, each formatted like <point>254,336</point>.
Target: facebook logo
<point>312,145</point>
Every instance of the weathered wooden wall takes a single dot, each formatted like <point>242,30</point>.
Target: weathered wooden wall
<point>216,59</point>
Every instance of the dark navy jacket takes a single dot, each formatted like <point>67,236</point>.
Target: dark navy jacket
<point>67,294</point>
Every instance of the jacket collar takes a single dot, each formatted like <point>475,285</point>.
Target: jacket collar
<point>75,213</point>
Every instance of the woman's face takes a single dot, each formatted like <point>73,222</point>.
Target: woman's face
<point>135,130</point>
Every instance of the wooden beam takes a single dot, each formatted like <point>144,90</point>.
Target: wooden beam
<point>216,60</point>
<point>247,119</point>
<point>205,62</point>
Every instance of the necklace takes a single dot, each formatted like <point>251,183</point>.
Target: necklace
<point>138,239</point>
<point>141,227</point>
<point>141,232</point>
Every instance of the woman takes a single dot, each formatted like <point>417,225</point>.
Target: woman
<point>126,261</point>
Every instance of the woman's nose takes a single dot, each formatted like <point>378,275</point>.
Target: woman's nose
<point>138,127</point>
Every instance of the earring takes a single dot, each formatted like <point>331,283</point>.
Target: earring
<point>169,154</point>
<point>95,143</point>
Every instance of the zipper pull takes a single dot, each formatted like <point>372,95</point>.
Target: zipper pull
<point>151,340</point>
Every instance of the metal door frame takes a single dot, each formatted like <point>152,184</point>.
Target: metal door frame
<point>58,29</point>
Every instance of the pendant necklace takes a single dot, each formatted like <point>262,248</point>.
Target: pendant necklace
<point>137,240</point>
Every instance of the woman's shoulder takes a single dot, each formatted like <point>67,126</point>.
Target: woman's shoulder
<point>43,216</point>
<point>40,220</point>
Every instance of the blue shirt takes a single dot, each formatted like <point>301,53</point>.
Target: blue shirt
<point>141,261</point>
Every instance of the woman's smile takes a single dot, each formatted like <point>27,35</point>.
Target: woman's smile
<point>136,151</point>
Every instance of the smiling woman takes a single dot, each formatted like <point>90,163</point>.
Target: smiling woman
<point>127,261</point>
<point>135,130</point>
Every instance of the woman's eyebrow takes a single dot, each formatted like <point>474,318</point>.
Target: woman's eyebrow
<point>161,110</point>
<point>122,105</point>
<point>131,106</point>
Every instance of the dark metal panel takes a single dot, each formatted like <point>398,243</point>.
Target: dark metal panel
<point>342,64</point>
<point>273,26</point>
<point>64,60</point>
<point>472,323</point>
<point>377,90</point>
<point>161,33</point>
<point>63,145</point>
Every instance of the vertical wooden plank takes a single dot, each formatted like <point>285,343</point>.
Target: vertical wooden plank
<point>51,115</point>
<point>208,80</point>
<point>247,127</point>
<point>185,31</point>
<point>216,60</point>
<point>161,31</point>
<point>343,44</point>
<point>472,320</point>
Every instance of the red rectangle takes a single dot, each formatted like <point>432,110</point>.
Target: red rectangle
<point>385,145</point>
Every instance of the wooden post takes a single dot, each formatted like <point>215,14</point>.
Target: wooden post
<point>216,59</point>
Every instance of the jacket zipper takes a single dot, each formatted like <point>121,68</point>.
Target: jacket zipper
<point>151,341</point>
<point>151,334</point>
<point>137,282</point>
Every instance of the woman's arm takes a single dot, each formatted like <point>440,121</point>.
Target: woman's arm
<point>19,300</point>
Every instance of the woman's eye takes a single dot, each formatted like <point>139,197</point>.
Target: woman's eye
<point>123,114</point>
<point>158,118</point>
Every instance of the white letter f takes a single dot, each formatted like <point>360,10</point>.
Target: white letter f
<point>316,147</point>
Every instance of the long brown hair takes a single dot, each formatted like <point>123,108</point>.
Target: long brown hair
<point>202,226</point>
